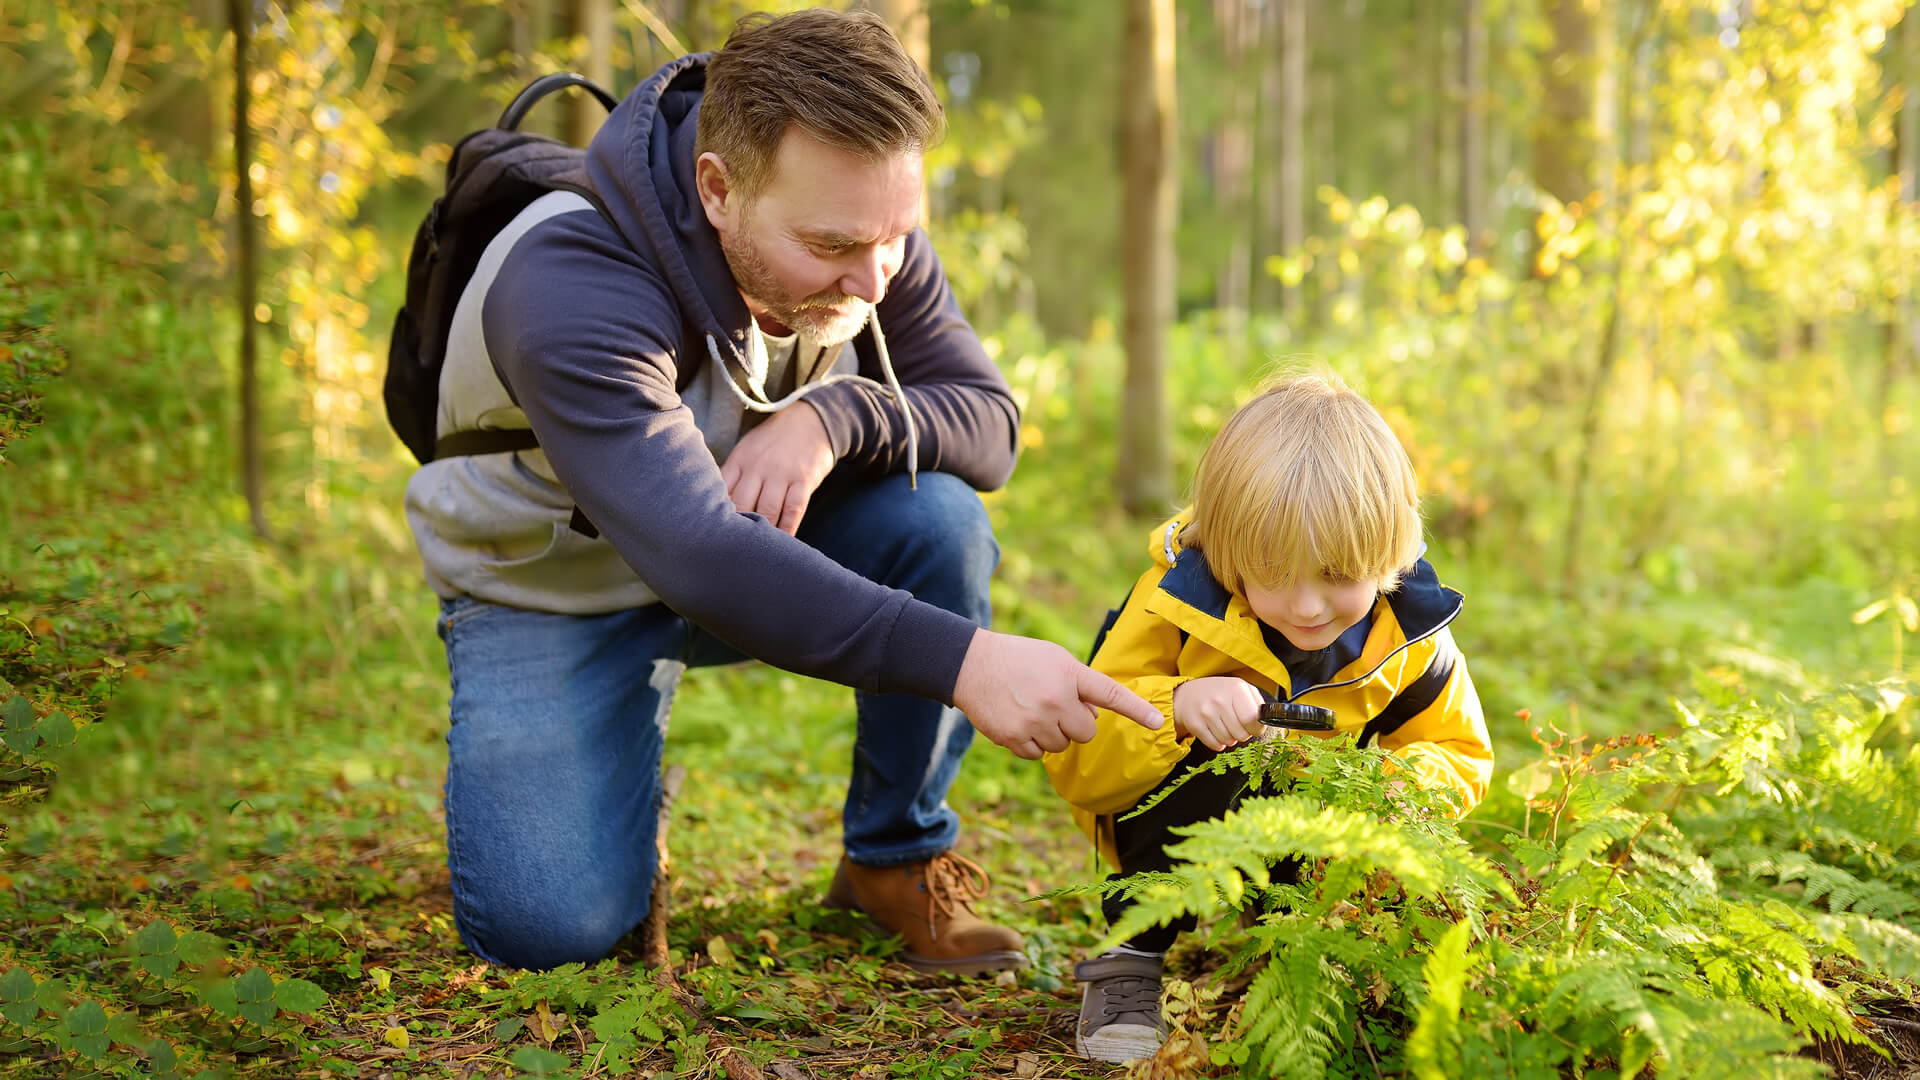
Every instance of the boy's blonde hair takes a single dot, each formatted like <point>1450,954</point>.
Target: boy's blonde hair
<point>1306,479</point>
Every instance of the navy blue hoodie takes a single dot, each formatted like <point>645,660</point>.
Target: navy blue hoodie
<point>589,322</point>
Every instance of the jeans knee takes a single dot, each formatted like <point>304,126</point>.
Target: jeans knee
<point>579,929</point>
<point>946,535</point>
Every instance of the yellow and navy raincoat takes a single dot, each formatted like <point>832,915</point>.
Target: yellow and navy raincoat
<point>1402,684</point>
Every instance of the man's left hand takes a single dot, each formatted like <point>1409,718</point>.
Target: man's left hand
<point>775,468</point>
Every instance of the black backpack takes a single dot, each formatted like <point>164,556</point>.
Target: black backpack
<point>493,175</point>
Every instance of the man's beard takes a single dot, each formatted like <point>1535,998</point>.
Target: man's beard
<point>826,318</point>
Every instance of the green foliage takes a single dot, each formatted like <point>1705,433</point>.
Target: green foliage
<point>1598,937</point>
<point>49,1018</point>
<point>29,357</point>
<point>237,861</point>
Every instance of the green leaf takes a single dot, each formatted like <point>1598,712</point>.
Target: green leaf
<point>21,740</point>
<point>160,1052</point>
<point>505,1030</point>
<point>124,1028</point>
<point>259,1013</point>
<point>300,996</point>
<point>255,985</point>
<point>155,939</point>
<point>16,986</point>
<point>93,1046</point>
<point>219,996</point>
<point>52,996</point>
<point>57,729</point>
<point>87,1018</point>
<point>161,964</point>
<point>17,713</point>
<point>532,1059</point>
<point>199,947</point>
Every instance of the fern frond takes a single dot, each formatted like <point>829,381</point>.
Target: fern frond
<point>1436,1029</point>
<point>1884,948</point>
<point>1597,835</point>
<point>1294,1014</point>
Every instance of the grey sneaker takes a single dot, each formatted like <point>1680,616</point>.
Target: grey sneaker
<point>1120,1009</point>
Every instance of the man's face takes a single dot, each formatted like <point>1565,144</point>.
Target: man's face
<point>814,250</point>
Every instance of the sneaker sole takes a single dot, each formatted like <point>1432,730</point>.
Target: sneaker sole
<point>1131,1043</point>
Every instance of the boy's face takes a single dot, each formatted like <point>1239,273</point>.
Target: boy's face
<point>1313,612</point>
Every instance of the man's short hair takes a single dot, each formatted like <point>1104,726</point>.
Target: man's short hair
<point>1306,480</point>
<point>841,77</point>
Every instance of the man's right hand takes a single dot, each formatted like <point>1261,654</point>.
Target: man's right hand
<point>1032,696</point>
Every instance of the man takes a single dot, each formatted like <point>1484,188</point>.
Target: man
<point>745,370</point>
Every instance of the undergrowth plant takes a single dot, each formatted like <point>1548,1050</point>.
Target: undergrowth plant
<point>1699,904</point>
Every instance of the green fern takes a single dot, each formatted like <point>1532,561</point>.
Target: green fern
<point>1840,890</point>
<point>1886,949</point>
<point>1295,1009</point>
<point>1432,1047</point>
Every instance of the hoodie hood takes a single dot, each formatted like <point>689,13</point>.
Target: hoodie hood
<point>641,165</point>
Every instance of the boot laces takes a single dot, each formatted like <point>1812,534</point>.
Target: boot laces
<point>953,884</point>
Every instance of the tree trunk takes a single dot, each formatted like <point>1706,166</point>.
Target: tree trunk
<point>529,29</point>
<point>1563,136</point>
<point>1234,157</point>
<point>1283,108</point>
<point>1426,189</point>
<point>592,20</point>
<point>247,269</point>
<point>1473,125</point>
<point>1903,334</point>
<point>1148,209</point>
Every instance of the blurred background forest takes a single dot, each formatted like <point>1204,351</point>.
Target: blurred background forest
<point>1634,281</point>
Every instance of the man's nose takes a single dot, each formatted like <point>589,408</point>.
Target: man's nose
<point>867,280</point>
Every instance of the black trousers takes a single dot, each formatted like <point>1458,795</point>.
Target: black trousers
<point>1142,840</point>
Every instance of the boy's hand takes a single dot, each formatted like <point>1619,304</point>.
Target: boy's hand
<point>1221,711</point>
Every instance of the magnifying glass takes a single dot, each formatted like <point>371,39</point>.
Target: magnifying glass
<point>1298,717</point>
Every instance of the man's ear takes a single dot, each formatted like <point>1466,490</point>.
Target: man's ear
<point>717,196</point>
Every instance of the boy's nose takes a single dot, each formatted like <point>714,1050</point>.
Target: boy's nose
<point>1308,607</point>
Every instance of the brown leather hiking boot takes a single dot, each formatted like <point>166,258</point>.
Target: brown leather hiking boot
<point>930,904</point>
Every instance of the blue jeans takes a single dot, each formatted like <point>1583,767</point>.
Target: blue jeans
<point>558,722</point>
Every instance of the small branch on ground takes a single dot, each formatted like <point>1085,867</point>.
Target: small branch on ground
<point>653,932</point>
<point>653,935</point>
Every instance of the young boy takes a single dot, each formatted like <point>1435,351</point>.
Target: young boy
<point>1296,576</point>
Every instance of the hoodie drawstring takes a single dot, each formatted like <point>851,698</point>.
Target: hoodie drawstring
<point>760,403</point>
